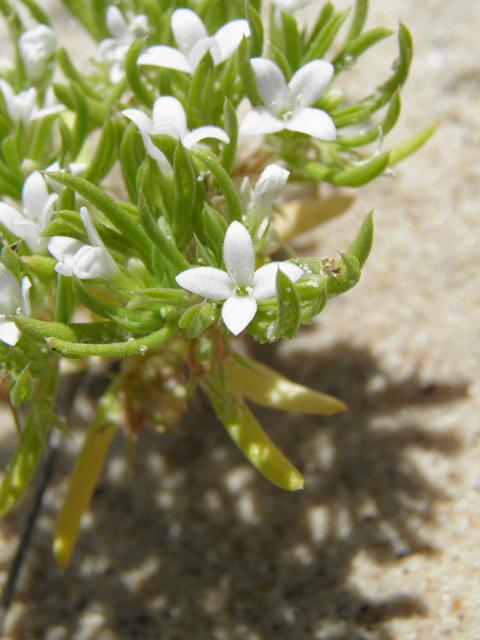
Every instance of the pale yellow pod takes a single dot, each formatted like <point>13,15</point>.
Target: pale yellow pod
<point>269,388</point>
<point>84,478</point>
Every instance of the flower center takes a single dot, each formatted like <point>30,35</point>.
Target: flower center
<point>244,292</point>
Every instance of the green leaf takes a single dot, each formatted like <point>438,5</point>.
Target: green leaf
<point>377,132</point>
<point>41,266</point>
<point>228,188</point>
<point>288,308</point>
<point>185,184</point>
<point>157,297</point>
<point>401,65</point>
<point>23,463</point>
<point>80,128</point>
<point>362,173</point>
<point>276,55</point>
<point>355,48</point>
<point>246,72</point>
<point>160,239</point>
<point>199,317</point>
<point>292,41</point>
<point>347,278</point>
<point>64,298</point>
<point>138,87</point>
<point>130,347</point>
<point>71,73</point>
<point>125,222</point>
<point>105,154</point>
<point>132,154</point>
<point>250,438</point>
<point>12,261</point>
<point>199,102</point>
<point>228,152</point>
<point>256,31</point>
<point>23,388</point>
<point>325,37</point>
<point>412,144</point>
<point>362,245</point>
<point>355,114</point>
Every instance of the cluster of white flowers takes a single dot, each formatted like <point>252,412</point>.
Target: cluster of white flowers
<point>286,106</point>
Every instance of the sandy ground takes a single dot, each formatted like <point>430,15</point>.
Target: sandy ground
<point>384,542</point>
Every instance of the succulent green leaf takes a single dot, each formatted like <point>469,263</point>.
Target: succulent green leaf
<point>185,185</point>
<point>104,155</point>
<point>64,299</point>
<point>23,388</point>
<point>80,128</point>
<point>23,463</point>
<point>228,152</point>
<point>41,266</point>
<point>160,239</point>
<point>288,304</point>
<point>377,132</point>
<point>325,37</point>
<point>412,144</point>
<point>228,188</point>
<point>246,73</point>
<point>256,31</point>
<point>250,438</point>
<point>127,224</point>
<point>154,298</point>
<point>138,87</point>
<point>292,41</point>
<point>200,95</point>
<point>198,318</point>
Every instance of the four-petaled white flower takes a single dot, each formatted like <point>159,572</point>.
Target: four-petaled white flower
<point>23,106</point>
<point>240,285</point>
<point>36,46</point>
<point>288,106</point>
<point>114,50</point>
<point>36,212</point>
<point>168,116</point>
<point>82,260</point>
<point>193,43</point>
<point>12,297</point>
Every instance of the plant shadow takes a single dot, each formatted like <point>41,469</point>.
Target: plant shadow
<point>195,544</point>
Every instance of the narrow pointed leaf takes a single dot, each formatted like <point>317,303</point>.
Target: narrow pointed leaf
<point>288,305</point>
<point>135,81</point>
<point>248,435</point>
<point>246,73</point>
<point>412,144</point>
<point>268,388</point>
<point>22,390</point>
<point>185,184</point>
<point>256,30</point>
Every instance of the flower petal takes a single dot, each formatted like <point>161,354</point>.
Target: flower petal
<point>92,233</point>
<point>187,29</point>
<point>264,278</point>
<point>270,82</point>
<point>9,215</point>
<point>207,281</point>
<point>310,81</point>
<point>30,232</point>
<point>142,121</point>
<point>63,248</point>
<point>201,133</point>
<point>201,48</point>
<point>34,196</point>
<point>10,297</point>
<point>237,313</point>
<point>168,112</point>
<point>313,122</point>
<point>162,56</point>
<point>239,254</point>
<point>260,121</point>
<point>230,35</point>
<point>116,23</point>
<point>270,186</point>
<point>9,332</point>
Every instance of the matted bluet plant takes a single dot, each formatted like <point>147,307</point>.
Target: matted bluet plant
<point>201,118</point>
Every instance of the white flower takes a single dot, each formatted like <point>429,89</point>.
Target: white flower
<point>36,46</point>
<point>168,116</point>
<point>36,212</point>
<point>12,298</point>
<point>23,106</point>
<point>193,43</point>
<point>114,50</point>
<point>240,285</point>
<point>82,260</point>
<point>287,106</point>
